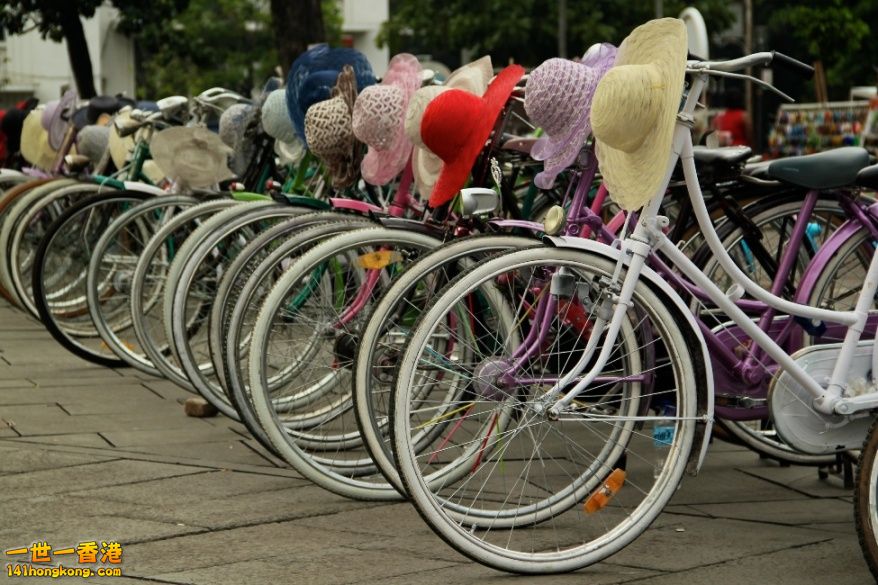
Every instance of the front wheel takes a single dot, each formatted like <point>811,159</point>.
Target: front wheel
<point>866,500</point>
<point>503,482</point>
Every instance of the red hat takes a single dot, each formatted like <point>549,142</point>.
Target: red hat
<point>456,125</point>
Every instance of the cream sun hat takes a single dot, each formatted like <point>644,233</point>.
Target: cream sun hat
<point>35,146</point>
<point>635,109</point>
<point>426,166</point>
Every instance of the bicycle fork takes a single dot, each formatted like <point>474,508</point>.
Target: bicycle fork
<point>614,304</point>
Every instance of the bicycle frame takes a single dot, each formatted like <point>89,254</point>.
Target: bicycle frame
<point>648,236</point>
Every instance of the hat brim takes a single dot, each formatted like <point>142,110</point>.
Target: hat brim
<point>633,178</point>
<point>379,167</point>
<point>454,173</point>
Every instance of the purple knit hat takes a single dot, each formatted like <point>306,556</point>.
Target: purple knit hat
<point>558,99</point>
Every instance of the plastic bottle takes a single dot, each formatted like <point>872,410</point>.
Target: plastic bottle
<point>663,436</point>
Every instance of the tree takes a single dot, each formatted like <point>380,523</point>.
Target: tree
<point>302,23</point>
<point>60,20</point>
<point>525,31</point>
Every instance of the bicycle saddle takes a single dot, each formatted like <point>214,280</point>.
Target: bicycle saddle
<point>868,177</point>
<point>729,155</point>
<point>824,170</point>
<point>522,144</point>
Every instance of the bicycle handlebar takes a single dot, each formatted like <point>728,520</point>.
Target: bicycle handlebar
<point>793,65</point>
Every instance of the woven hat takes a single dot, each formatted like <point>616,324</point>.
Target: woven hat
<point>314,74</point>
<point>635,108</point>
<point>558,99</point>
<point>330,133</point>
<point>194,156</point>
<point>35,141</point>
<point>92,141</point>
<point>276,119</point>
<point>472,77</point>
<point>233,125</point>
<point>456,125</point>
<point>379,120</point>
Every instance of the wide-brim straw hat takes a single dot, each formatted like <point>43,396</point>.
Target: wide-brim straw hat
<point>192,156</point>
<point>426,166</point>
<point>330,133</point>
<point>456,125</point>
<point>635,108</point>
<point>558,98</point>
<point>379,120</point>
<point>313,75</point>
<point>35,146</point>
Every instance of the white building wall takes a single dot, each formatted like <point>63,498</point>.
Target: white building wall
<point>42,68</point>
<point>363,20</point>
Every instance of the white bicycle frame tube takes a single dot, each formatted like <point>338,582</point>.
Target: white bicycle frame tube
<point>648,234</point>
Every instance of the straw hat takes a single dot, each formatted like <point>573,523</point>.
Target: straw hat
<point>558,99</point>
<point>330,134</point>
<point>635,109</point>
<point>472,77</point>
<point>314,74</point>
<point>194,156</point>
<point>456,125</point>
<point>379,120</point>
<point>35,141</point>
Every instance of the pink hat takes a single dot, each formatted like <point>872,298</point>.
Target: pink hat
<point>558,99</point>
<point>379,120</point>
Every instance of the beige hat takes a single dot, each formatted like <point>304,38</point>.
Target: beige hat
<point>120,147</point>
<point>193,156</point>
<point>35,141</point>
<point>635,109</point>
<point>426,166</point>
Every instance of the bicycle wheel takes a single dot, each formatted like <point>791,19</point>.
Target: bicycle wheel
<point>28,221</point>
<point>193,278</point>
<point>10,210</point>
<point>866,500</point>
<point>253,278</point>
<point>302,351</point>
<point>520,473</point>
<point>115,257</point>
<point>148,286</point>
<point>388,328</point>
<point>756,248</point>
<point>60,270</point>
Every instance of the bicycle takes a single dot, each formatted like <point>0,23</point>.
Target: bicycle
<point>629,377</point>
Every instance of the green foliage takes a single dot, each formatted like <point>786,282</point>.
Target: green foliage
<point>523,30</point>
<point>16,16</point>
<point>333,20</point>
<point>835,32</point>
<point>224,43</point>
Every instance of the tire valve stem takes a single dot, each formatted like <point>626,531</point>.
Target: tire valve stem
<point>601,497</point>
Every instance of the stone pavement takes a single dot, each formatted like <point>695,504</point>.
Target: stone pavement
<point>88,453</point>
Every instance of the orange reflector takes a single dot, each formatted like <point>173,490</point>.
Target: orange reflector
<point>378,260</point>
<point>599,499</point>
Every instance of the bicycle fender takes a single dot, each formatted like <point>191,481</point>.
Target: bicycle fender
<point>143,188</point>
<point>704,378</point>
<point>412,225</point>
<point>829,249</point>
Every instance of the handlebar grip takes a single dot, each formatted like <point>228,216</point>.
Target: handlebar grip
<point>793,65</point>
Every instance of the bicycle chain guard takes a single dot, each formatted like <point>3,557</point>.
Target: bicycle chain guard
<point>798,423</point>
